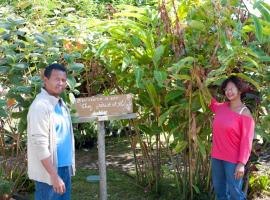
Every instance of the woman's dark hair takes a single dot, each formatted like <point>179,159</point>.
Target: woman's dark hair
<point>249,95</point>
<point>239,83</point>
<point>55,66</point>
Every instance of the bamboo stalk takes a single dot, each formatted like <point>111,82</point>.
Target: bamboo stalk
<point>189,143</point>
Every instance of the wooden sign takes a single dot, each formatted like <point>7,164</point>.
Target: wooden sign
<point>104,105</point>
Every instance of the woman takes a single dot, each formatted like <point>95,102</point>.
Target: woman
<point>233,130</point>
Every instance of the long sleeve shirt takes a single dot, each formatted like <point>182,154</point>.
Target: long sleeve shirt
<point>232,134</point>
<point>41,137</point>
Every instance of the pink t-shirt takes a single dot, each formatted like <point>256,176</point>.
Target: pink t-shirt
<point>232,134</point>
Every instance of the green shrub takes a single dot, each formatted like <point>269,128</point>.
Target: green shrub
<point>259,184</point>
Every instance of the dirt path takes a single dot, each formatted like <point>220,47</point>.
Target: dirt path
<point>118,155</point>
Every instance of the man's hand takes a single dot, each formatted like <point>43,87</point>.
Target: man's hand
<point>58,184</point>
<point>239,171</point>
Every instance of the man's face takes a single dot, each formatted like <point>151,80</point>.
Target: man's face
<point>57,82</point>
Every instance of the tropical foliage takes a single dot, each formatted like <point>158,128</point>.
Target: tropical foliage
<point>169,54</point>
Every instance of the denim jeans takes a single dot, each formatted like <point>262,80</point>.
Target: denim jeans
<point>225,185</point>
<point>46,192</point>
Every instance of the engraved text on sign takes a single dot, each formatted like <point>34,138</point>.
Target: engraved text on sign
<point>104,105</point>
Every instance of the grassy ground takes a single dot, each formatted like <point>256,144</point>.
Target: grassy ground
<point>120,186</point>
<point>121,181</point>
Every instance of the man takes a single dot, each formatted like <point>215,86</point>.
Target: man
<point>50,139</point>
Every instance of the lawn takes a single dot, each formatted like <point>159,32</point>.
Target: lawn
<point>120,186</point>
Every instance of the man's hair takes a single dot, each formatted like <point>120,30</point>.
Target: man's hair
<point>55,66</point>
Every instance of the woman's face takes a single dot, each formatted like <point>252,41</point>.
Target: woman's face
<point>232,92</point>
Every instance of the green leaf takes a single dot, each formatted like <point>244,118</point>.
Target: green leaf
<point>250,60</point>
<point>4,69</point>
<point>215,80</point>
<point>173,95</point>
<point>3,113</point>
<point>77,67</point>
<point>53,49</point>
<point>197,190</point>
<point>264,58</point>
<point>228,45</point>
<point>258,28</point>
<point>5,186</point>
<point>263,10</point>
<point>6,36</point>
<point>68,58</point>
<point>15,79</point>
<point>149,42</point>
<point>35,80</point>
<point>20,115</point>
<point>102,47</point>
<point>20,66</point>
<point>181,77</point>
<point>198,25</point>
<point>183,63</point>
<point>263,134</point>
<point>131,8</point>
<point>164,116</point>
<point>181,145</point>
<point>72,98</point>
<point>144,59</point>
<point>23,4</point>
<point>71,81</point>
<point>248,79</point>
<point>144,99</point>
<point>201,147</point>
<point>135,41</point>
<point>158,54</point>
<point>22,126</point>
<point>139,72</point>
<point>68,10</point>
<point>3,103</point>
<point>117,32</point>
<point>40,39</point>
<point>266,5</point>
<point>160,77</point>
<point>140,17</point>
<point>182,11</point>
<point>145,129</point>
<point>19,21</point>
<point>153,94</point>
<point>247,28</point>
<point>202,101</point>
<point>155,129</point>
<point>125,63</point>
<point>21,89</point>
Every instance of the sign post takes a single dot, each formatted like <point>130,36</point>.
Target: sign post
<point>100,109</point>
<point>102,161</point>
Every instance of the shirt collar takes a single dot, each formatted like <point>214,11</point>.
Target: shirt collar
<point>52,99</point>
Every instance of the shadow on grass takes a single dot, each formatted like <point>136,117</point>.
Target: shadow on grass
<point>120,186</point>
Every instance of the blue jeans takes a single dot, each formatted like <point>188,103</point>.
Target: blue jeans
<point>46,192</point>
<point>225,185</point>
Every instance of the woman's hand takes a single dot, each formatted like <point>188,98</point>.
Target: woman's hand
<point>239,171</point>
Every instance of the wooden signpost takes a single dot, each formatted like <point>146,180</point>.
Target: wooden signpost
<point>104,105</point>
<point>102,108</point>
